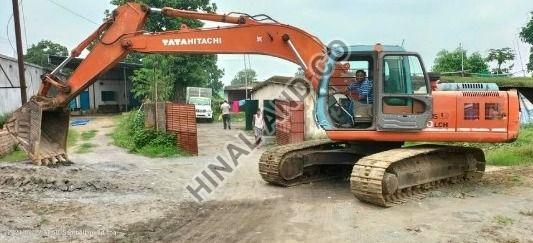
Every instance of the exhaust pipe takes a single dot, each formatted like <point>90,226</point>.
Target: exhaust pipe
<point>41,132</point>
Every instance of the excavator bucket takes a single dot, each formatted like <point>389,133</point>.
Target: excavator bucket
<point>41,132</point>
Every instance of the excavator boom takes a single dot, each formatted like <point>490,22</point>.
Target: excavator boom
<point>41,126</point>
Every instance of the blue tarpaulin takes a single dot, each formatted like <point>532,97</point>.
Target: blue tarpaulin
<point>526,108</point>
<point>79,122</point>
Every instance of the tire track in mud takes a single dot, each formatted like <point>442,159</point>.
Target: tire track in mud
<point>232,221</point>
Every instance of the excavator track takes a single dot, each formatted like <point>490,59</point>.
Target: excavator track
<point>394,176</point>
<point>271,162</point>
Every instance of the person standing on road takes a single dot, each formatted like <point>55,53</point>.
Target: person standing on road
<point>225,114</point>
<point>258,126</point>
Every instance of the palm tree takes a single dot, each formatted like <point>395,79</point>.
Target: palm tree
<point>500,56</point>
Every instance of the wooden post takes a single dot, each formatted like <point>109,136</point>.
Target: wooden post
<point>20,56</point>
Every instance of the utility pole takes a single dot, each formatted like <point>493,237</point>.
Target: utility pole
<point>462,65</point>
<point>20,57</point>
<point>245,78</point>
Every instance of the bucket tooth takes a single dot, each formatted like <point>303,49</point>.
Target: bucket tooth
<point>54,160</point>
<point>61,159</point>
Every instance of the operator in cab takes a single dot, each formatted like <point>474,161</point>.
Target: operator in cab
<point>362,89</point>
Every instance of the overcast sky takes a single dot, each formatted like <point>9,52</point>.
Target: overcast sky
<point>425,26</point>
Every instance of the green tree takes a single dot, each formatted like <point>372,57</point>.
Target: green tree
<point>38,53</point>
<point>447,61</point>
<point>501,56</point>
<point>183,70</point>
<point>155,80</point>
<point>244,76</point>
<point>476,63</point>
<point>526,34</point>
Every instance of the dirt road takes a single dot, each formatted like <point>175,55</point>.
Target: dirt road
<point>111,195</point>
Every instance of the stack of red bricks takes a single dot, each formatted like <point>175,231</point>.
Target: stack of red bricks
<point>181,120</point>
<point>289,121</point>
<point>7,143</point>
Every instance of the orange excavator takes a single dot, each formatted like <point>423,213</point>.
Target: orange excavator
<point>403,107</point>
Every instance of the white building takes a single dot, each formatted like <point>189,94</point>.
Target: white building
<point>10,85</point>
<point>111,93</point>
<point>274,88</point>
<point>290,89</point>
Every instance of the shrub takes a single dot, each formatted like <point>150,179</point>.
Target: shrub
<point>131,134</point>
<point>3,119</point>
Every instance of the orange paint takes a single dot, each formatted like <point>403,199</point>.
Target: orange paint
<point>457,116</point>
<point>452,123</point>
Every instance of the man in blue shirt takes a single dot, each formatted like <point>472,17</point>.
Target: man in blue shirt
<point>363,88</point>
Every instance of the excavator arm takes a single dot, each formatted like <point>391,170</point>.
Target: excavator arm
<point>123,34</point>
<point>41,126</point>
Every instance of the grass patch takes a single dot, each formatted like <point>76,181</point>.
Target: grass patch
<point>16,155</point>
<point>85,148</point>
<point>121,135</point>
<point>3,119</point>
<point>519,152</point>
<point>131,134</point>
<point>526,212</point>
<point>503,221</point>
<point>72,137</point>
<point>500,81</point>
<point>88,134</point>
<point>159,151</point>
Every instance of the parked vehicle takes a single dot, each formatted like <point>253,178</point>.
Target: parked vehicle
<point>201,99</point>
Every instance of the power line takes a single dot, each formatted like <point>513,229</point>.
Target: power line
<point>24,24</point>
<point>7,29</point>
<point>7,32</point>
<point>71,11</point>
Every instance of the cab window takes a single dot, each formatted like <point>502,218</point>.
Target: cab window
<point>403,75</point>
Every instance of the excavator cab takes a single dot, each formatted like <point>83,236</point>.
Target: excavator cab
<point>398,95</point>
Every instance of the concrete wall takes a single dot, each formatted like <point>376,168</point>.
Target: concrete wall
<point>109,85</point>
<point>281,92</point>
<point>95,94</point>
<point>273,92</point>
<point>10,97</point>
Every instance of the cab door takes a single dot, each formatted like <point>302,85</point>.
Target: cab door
<point>404,102</point>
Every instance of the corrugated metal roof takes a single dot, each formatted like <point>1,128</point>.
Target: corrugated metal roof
<point>237,87</point>
<point>2,56</point>
<point>273,80</point>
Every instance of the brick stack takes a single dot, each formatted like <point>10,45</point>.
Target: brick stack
<point>289,121</point>
<point>7,143</point>
<point>181,120</point>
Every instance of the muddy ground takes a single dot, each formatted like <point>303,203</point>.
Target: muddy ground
<point>110,195</point>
